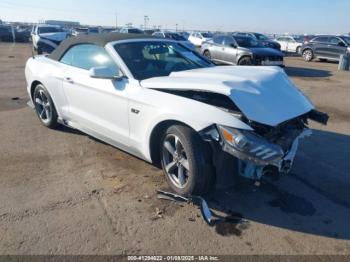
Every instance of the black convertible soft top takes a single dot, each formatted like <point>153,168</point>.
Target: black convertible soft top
<point>97,39</point>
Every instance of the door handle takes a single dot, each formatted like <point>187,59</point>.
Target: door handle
<point>69,80</point>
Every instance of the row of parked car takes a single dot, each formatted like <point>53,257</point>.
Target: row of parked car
<point>10,33</point>
<point>241,48</point>
<point>236,48</point>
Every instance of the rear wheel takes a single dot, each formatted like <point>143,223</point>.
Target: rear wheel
<point>185,161</point>
<point>298,50</point>
<point>245,61</point>
<point>308,55</point>
<point>44,107</point>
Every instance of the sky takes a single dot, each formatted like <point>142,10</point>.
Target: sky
<point>268,16</point>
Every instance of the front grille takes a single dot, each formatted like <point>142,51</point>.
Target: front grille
<point>274,58</point>
<point>283,134</point>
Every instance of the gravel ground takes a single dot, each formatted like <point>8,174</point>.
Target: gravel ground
<point>63,192</point>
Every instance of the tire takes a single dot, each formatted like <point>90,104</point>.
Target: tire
<point>186,161</point>
<point>207,54</point>
<point>245,61</point>
<point>44,107</point>
<point>308,55</point>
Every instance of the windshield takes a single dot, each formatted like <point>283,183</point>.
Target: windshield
<point>261,37</point>
<point>175,37</point>
<point>346,39</point>
<point>245,41</point>
<point>156,58</point>
<point>207,35</point>
<point>43,30</point>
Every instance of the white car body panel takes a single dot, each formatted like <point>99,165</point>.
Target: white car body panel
<point>46,37</point>
<point>264,95</point>
<point>196,40</point>
<point>102,108</point>
<point>289,44</point>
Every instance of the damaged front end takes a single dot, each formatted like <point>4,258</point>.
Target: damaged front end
<point>266,149</point>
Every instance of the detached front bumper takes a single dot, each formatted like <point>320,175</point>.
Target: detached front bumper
<point>261,155</point>
<point>256,155</point>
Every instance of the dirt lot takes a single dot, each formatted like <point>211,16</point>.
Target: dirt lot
<point>63,192</point>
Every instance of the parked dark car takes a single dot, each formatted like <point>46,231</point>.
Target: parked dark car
<point>8,33</point>
<point>326,47</point>
<point>263,39</point>
<point>241,50</point>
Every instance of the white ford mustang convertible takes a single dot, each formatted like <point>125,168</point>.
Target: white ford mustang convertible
<point>168,105</point>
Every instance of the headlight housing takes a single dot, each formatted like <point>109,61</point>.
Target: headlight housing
<point>248,146</point>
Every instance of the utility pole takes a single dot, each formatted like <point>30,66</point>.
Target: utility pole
<point>146,20</point>
<point>116,20</point>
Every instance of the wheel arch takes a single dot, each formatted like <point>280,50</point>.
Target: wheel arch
<point>34,84</point>
<point>154,140</point>
<point>244,56</point>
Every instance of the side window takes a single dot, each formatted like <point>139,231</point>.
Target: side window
<point>334,41</point>
<point>218,40</point>
<point>321,39</point>
<point>228,41</point>
<point>87,56</point>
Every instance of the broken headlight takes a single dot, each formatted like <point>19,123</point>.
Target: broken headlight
<point>248,146</point>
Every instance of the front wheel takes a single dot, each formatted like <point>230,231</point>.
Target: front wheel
<point>245,61</point>
<point>185,161</point>
<point>207,54</point>
<point>308,55</point>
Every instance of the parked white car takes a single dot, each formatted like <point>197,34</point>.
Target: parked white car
<point>46,38</point>
<point>176,37</point>
<point>168,105</point>
<point>197,38</point>
<point>131,30</point>
<point>80,31</point>
<point>289,44</point>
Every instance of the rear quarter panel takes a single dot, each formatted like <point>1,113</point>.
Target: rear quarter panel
<point>50,74</point>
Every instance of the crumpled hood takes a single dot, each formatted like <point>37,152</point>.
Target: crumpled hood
<point>263,94</point>
<point>59,36</point>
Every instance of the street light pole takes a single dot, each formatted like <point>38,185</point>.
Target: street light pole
<point>146,20</point>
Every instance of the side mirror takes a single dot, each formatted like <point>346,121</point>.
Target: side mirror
<point>341,44</point>
<point>105,72</point>
<point>233,46</point>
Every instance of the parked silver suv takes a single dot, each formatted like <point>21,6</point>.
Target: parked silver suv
<point>240,50</point>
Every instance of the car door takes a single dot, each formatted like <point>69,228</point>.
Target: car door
<point>229,50</point>
<point>97,106</point>
<point>336,48</point>
<point>320,45</point>
<point>283,42</point>
<point>291,44</point>
<point>215,47</point>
